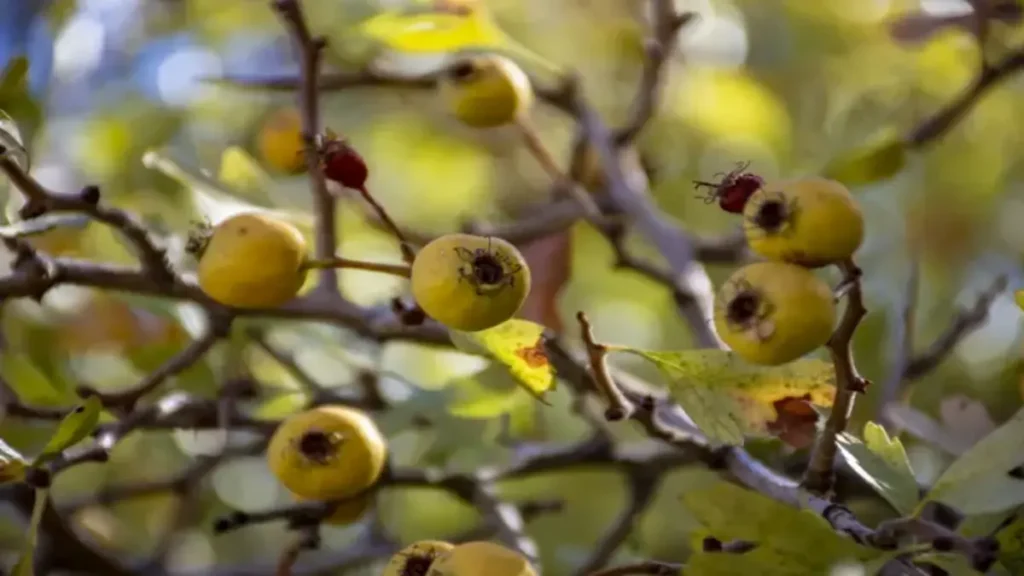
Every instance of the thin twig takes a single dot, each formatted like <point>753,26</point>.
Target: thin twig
<point>324,203</point>
<point>338,262</point>
<point>820,474</point>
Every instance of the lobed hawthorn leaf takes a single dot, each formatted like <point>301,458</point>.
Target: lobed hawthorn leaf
<point>73,428</point>
<point>789,541</point>
<point>518,346</point>
<point>882,462</point>
<point>729,399</point>
<point>979,481</point>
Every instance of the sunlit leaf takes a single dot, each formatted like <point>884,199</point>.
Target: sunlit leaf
<point>12,142</point>
<point>281,405</point>
<point>980,480</point>
<point>74,428</point>
<point>789,541</point>
<point>1018,297</point>
<point>43,223</point>
<point>516,344</point>
<point>429,30</point>
<point>25,567</point>
<point>486,394</point>
<point>882,462</point>
<point>12,464</point>
<point>29,383</point>
<point>879,160</point>
<point>241,171</point>
<point>729,399</point>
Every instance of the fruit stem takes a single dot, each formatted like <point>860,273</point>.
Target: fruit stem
<point>338,262</point>
<point>547,161</point>
<point>619,406</point>
<point>407,254</point>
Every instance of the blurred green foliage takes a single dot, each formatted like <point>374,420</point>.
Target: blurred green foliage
<point>788,85</point>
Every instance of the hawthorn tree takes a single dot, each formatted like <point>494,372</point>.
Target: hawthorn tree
<point>783,505</point>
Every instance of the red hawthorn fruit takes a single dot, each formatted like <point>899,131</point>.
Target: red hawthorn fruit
<point>342,164</point>
<point>733,190</point>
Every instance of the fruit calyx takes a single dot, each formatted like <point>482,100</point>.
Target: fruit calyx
<point>198,238</point>
<point>462,70</point>
<point>318,446</point>
<point>774,214</point>
<point>486,268</point>
<point>418,564</point>
<point>748,310</point>
<point>733,189</point>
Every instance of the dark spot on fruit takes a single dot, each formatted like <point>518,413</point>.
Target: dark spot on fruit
<point>317,446</point>
<point>771,215</point>
<point>462,70</point>
<point>743,307</point>
<point>243,231</point>
<point>487,269</point>
<point>418,565</point>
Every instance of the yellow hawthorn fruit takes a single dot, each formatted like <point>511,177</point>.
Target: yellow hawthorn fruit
<point>485,91</point>
<point>774,312</point>
<point>327,452</point>
<point>348,511</point>
<point>279,142</point>
<point>252,260</point>
<point>808,221</point>
<point>468,282</point>
<point>481,559</point>
<point>416,558</point>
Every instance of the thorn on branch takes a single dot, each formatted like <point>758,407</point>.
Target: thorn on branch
<point>619,406</point>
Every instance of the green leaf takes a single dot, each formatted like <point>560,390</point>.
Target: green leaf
<point>12,464</point>
<point>952,563</point>
<point>882,462</point>
<point>979,480</point>
<point>484,395</point>
<point>74,428</point>
<point>518,346</point>
<point>1011,545</point>
<point>14,79</point>
<point>30,384</point>
<point>25,567</point>
<point>43,223</point>
<point>213,199</point>
<point>729,399</point>
<point>879,160</point>
<point>790,541</point>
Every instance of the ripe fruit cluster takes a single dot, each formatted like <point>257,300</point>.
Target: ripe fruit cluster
<point>439,558</point>
<point>330,452</point>
<point>777,311</point>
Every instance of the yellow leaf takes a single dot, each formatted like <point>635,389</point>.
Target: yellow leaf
<point>879,159</point>
<point>518,345</point>
<point>240,171</point>
<point>1018,296</point>
<point>729,399</point>
<point>789,540</point>
<point>433,32</point>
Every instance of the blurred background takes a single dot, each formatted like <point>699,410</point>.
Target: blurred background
<point>786,85</point>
